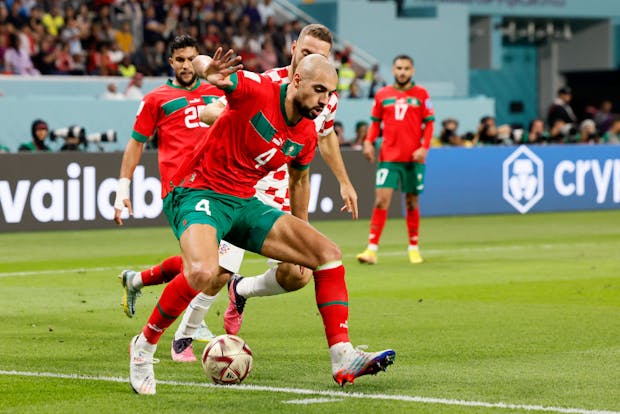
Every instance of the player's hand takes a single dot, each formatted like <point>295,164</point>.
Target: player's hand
<point>369,151</point>
<point>118,211</point>
<point>221,67</point>
<point>349,196</point>
<point>419,155</point>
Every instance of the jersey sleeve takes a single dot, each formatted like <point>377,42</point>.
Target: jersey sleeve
<point>244,86</point>
<point>146,119</point>
<point>428,112</point>
<point>325,122</point>
<point>376,113</point>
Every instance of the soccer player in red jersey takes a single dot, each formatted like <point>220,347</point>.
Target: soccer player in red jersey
<point>171,112</point>
<point>273,190</point>
<point>264,126</point>
<point>407,114</point>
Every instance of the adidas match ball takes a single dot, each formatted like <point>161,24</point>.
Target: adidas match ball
<point>227,359</point>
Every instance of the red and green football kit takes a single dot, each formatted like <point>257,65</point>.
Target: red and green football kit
<point>251,138</point>
<point>407,117</point>
<point>172,112</point>
<point>403,114</point>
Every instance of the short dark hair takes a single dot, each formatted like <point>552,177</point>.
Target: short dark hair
<point>403,57</point>
<point>181,42</point>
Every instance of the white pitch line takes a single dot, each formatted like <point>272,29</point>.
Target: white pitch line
<point>332,394</point>
<point>306,401</point>
<point>261,259</point>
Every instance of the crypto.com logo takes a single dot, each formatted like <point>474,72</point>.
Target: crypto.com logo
<point>523,179</point>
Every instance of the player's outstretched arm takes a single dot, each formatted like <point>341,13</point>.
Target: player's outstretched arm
<point>330,151</point>
<point>131,158</point>
<point>221,67</point>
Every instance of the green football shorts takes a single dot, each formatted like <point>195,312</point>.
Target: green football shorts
<point>410,175</point>
<point>244,222</point>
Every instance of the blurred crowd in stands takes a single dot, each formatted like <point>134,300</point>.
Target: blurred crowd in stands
<point>561,126</point>
<point>124,37</point>
<point>129,38</point>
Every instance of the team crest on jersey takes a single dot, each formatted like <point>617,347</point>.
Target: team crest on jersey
<point>291,148</point>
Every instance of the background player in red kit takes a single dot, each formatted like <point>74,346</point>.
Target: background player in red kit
<point>264,126</point>
<point>407,115</point>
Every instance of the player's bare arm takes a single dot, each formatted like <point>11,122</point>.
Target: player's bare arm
<point>368,149</point>
<point>131,158</point>
<point>330,151</point>
<point>211,112</point>
<point>299,191</point>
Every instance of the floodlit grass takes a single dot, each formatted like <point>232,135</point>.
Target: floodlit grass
<point>523,310</point>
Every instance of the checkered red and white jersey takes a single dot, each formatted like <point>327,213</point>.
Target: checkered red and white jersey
<point>273,188</point>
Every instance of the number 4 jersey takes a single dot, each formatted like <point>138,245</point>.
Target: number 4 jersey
<point>172,112</point>
<point>251,138</point>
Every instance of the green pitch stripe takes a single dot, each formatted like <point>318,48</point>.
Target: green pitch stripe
<point>336,302</point>
<point>164,314</point>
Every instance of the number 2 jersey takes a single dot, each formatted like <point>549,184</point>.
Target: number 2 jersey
<point>172,111</point>
<point>251,138</point>
<point>403,114</point>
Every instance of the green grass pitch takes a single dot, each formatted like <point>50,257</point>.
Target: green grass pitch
<point>508,314</point>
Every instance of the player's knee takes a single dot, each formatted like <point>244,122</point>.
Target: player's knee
<point>293,277</point>
<point>201,275</point>
<point>330,252</point>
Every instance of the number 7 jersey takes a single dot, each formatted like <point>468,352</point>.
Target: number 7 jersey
<point>403,113</point>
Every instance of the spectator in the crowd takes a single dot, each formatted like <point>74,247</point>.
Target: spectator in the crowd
<point>17,60</point>
<point>487,131</point>
<point>45,59</point>
<point>53,20</point>
<point>268,58</point>
<point>339,130</point>
<point>561,109</point>
<point>560,131</point>
<point>156,59</point>
<point>603,117</point>
<point>266,10</point>
<point>111,93</point>
<point>39,131</point>
<point>126,68</point>
<point>124,38</point>
<point>354,90</point>
<point>612,136</point>
<point>449,134</point>
<point>361,129</point>
<point>346,74</point>
<point>535,133</point>
<point>134,87</point>
<point>374,79</point>
<point>587,132</point>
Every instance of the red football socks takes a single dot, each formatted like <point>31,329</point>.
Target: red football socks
<point>377,222</point>
<point>332,300</point>
<point>164,272</point>
<point>413,225</point>
<point>174,299</point>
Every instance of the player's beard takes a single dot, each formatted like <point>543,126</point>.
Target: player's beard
<point>402,84</point>
<point>184,84</point>
<point>306,111</point>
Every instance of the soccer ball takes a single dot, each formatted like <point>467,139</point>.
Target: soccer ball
<point>227,359</point>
